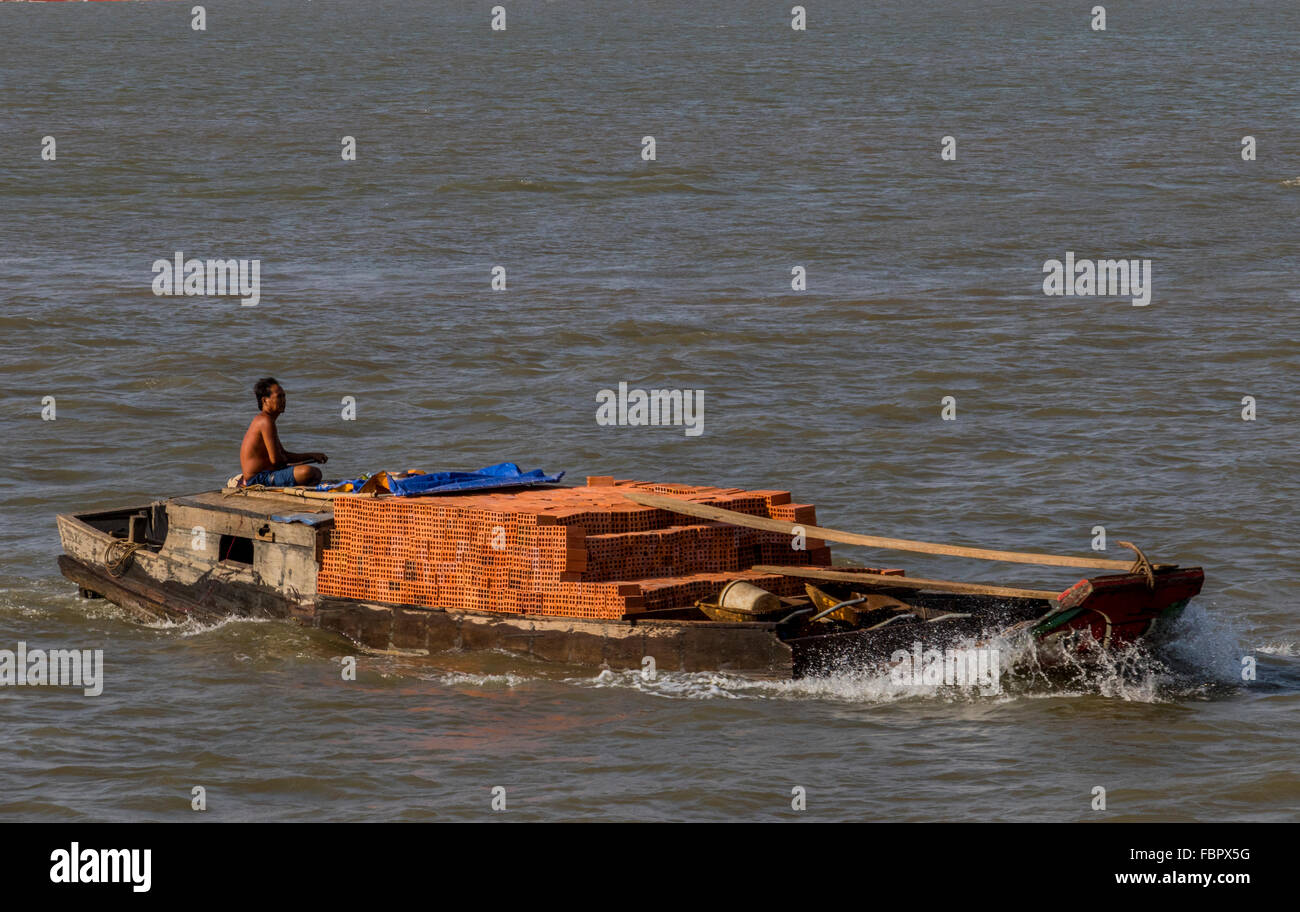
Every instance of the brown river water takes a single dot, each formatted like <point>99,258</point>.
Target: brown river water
<point>774,148</point>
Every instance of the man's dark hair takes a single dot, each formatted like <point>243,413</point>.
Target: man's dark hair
<point>262,389</point>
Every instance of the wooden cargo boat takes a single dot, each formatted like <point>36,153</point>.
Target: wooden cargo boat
<point>241,552</point>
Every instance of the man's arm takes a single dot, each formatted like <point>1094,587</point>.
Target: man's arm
<point>281,456</point>
<point>304,457</point>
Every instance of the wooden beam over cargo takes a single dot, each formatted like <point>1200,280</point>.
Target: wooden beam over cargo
<point>717,514</point>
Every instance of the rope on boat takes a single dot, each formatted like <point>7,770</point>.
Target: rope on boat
<point>1141,565</point>
<point>298,491</point>
<point>118,555</point>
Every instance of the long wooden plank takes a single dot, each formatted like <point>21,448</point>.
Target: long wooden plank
<point>266,501</point>
<point>881,581</point>
<point>294,492</point>
<point>717,514</point>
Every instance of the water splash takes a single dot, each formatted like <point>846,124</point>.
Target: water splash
<point>1194,657</point>
<point>192,627</point>
<point>467,679</point>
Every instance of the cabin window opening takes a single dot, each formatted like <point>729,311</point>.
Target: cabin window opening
<point>235,549</point>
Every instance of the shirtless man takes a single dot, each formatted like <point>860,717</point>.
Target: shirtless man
<point>261,456</point>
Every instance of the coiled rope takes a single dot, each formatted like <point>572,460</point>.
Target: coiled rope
<point>1141,565</point>
<point>118,555</point>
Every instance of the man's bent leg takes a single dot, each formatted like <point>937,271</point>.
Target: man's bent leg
<point>275,478</point>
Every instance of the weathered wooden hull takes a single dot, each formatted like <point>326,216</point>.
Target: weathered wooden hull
<point>753,649</point>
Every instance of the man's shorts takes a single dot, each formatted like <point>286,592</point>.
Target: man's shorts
<point>273,478</point>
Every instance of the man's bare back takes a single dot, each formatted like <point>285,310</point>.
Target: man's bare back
<point>262,458</point>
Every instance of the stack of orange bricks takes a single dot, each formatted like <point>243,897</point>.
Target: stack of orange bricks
<point>583,552</point>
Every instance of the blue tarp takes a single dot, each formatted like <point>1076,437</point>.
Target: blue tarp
<point>502,475</point>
